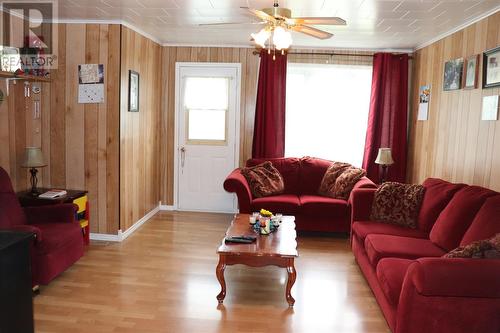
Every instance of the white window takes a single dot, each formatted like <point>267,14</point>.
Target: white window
<point>327,111</point>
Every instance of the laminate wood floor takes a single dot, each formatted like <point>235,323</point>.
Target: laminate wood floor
<point>162,279</point>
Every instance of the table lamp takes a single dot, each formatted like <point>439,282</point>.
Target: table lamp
<point>33,159</point>
<point>384,158</point>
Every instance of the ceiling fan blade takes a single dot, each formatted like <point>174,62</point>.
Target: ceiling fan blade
<point>260,14</point>
<point>231,23</point>
<point>317,20</point>
<point>312,31</point>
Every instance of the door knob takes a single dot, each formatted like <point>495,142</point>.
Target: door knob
<point>183,156</point>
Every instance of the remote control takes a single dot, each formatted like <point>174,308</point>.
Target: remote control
<point>238,240</point>
<point>252,238</point>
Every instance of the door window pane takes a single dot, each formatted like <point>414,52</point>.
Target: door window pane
<point>206,125</point>
<point>207,93</point>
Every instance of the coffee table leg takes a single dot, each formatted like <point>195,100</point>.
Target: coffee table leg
<point>292,275</point>
<point>219,271</point>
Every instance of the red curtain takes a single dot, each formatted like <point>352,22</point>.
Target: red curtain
<point>387,120</point>
<point>269,127</point>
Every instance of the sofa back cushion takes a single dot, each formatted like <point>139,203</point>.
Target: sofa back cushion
<point>458,215</point>
<point>312,171</point>
<point>288,167</point>
<point>12,213</point>
<point>438,194</point>
<point>486,223</point>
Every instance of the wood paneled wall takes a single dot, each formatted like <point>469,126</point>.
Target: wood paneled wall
<point>249,72</point>
<point>79,141</point>
<point>139,131</point>
<point>454,143</point>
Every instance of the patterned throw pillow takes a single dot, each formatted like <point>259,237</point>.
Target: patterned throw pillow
<point>397,203</point>
<point>489,248</point>
<point>330,177</point>
<point>346,181</point>
<point>264,180</point>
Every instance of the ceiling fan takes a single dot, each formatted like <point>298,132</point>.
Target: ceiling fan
<point>279,21</point>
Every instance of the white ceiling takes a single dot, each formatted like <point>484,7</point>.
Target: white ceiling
<point>371,24</point>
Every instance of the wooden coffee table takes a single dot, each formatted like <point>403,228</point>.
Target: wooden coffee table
<point>277,249</point>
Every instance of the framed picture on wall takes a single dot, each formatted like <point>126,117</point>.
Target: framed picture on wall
<point>453,70</point>
<point>491,68</point>
<point>471,72</point>
<point>133,91</point>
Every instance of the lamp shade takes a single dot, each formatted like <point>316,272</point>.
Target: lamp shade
<point>384,156</point>
<point>33,158</point>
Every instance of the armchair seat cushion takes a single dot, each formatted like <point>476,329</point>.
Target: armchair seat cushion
<point>315,205</point>
<point>283,203</point>
<point>391,274</point>
<point>378,247</point>
<point>361,229</point>
<point>58,235</point>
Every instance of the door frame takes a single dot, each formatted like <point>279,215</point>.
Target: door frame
<point>178,65</point>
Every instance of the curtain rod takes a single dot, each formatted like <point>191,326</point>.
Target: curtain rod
<point>329,54</point>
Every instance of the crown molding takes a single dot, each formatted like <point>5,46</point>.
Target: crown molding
<point>458,28</point>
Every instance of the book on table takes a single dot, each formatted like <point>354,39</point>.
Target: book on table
<point>53,194</point>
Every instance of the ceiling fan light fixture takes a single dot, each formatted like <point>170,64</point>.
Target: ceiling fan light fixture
<point>261,37</point>
<point>282,39</point>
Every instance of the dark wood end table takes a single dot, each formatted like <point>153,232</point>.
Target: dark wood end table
<point>276,249</point>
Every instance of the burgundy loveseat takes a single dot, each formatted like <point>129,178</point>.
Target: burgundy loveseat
<point>302,178</point>
<point>418,290</point>
<point>59,241</point>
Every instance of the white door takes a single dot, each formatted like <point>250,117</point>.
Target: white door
<point>207,113</point>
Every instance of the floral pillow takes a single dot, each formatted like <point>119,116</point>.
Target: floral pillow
<point>489,248</point>
<point>330,177</point>
<point>345,182</point>
<point>264,180</point>
<point>397,203</point>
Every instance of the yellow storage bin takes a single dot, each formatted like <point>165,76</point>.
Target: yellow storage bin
<point>81,202</point>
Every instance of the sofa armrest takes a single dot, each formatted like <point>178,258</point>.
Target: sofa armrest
<point>61,213</point>
<point>26,228</point>
<point>456,277</point>
<point>361,201</point>
<point>236,183</point>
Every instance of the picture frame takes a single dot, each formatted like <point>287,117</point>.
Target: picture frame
<point>471,72</point>
<point>491,68</point>
<point>133,91</point>
<point>453,72</point>
<point>490,108</point>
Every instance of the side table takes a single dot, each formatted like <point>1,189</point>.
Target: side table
<point>78,197</point>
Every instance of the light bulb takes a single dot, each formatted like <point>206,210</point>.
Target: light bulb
<point>261,37</point>
<point>282,39</point>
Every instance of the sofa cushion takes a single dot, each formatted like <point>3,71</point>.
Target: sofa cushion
<point>458,215</point>
<point>264,180</point>
<point>345,182</point>
<point>312,171</point>
<point>283,203</point>
<point>361,229</point>
<point>397,203</point>
<point>288,167</point>
<point>58,235</point>
<point>387,246</point>
<point>391,273</point>
<point>330,177</point>
<point>486,223</point>
<point>438,194</point>
<point>488,248</point>
<point>315,205</point>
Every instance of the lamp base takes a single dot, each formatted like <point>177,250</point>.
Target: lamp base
<point>34,182</point>
<point>383,177</point>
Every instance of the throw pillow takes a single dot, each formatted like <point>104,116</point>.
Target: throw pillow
<point>264,180</point>
<point>489,248</point>
<point>330,177</point>
<point>346,181</point>
<point>397,203</point>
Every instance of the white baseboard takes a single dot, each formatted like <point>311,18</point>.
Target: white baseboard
<point>167,207</point>
<point>123,235</point>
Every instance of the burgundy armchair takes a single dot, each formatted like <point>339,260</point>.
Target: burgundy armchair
<point>58,243</point>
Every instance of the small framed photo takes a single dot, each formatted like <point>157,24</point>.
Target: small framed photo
<point>491,68</point>
<point>471,72</point>
<point>490,108</point>
<point>453,70</point>
<point>133,91</point>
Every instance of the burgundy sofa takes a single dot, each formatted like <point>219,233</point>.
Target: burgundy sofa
<point>302,178</point>
<point>418,290</point>
<point>59,241</point>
